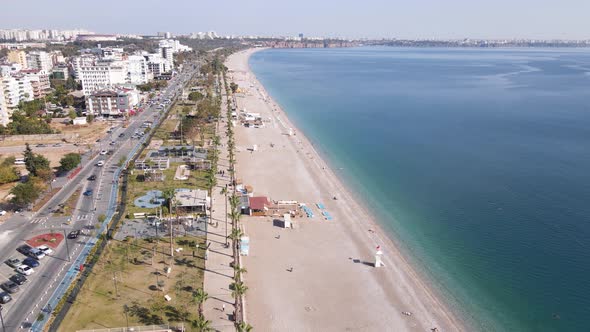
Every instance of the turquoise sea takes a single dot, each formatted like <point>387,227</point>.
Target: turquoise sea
<point>476,160</point>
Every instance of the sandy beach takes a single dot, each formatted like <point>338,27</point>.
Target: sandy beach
<point>318,276</point>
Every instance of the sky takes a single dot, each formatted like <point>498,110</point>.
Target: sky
<point>440,19</point>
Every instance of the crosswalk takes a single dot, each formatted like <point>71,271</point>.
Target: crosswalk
<point>82,217</point>
<point>38,220</point>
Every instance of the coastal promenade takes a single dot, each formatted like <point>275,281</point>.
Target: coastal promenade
<point>318,276</point>
<point>219,308</point>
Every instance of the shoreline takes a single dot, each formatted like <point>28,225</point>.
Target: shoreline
<point>428,307</point>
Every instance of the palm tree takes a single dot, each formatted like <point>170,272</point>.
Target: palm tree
<point>235,235</point>
<point>238,289</point>
<point>238,271</point>
<point>210,183</point>
<point>168,195</point>
<point>202,325</point>
<point>244,327</point>
<point>199,297</point>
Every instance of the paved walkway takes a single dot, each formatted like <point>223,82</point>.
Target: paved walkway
<point>219,273</point>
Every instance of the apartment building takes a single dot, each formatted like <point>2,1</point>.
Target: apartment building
<point>39,82</point>
<point>137,70</point>
<point>40,60</point>
<point>109,103</point>
<point>102,75</point>
<point>18,56</point>
<point>5,113</point>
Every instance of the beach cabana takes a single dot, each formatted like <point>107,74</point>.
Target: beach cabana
<point>258,205</point>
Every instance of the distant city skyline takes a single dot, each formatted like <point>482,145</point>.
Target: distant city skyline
<point>421,19</point>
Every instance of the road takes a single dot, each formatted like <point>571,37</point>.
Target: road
<point>31,300</point>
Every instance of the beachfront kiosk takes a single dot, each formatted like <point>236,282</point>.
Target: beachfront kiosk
<point>378,257</point>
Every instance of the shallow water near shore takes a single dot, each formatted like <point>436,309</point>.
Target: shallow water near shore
<point>475,160</point>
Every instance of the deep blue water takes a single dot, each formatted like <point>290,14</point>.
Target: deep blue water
<point>477,161</point>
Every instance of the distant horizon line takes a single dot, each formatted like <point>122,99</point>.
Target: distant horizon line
<point>308,36</point>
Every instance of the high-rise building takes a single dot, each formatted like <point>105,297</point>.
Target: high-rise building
<point>137,70</point>
<point>4,112</point>
<point>18,56</point>
<point>39,60</point>
<point>102,75</point>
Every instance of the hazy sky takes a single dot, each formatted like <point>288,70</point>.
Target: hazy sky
<point>566,19</point>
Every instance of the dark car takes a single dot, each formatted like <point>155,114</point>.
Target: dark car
<point>18,279</point>
<point>88,192</point>
<point>24,249</point>
<point>74,234</point>
<point>10,287</point>
<point>31,262</point>
<point>14,262</point>
<point>92,177</point>
<point>5,298</point>
<point>121,134</point>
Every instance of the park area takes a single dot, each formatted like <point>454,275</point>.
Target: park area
<point>130,285</point>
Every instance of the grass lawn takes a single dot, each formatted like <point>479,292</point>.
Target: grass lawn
<point>130,262</point>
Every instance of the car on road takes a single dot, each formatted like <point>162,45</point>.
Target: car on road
<point>14,262</point>
<point>88,192</point>
<point>74,234</point>
<point>100,163</point>
<point>45,249</point>
<point>40,145</point>
<point>24,249</point>
<point>112,143</point>
<point>30,262</point>
<point>103,152</point>
<point>24,269</point>
<point>10,287</point>
<point>5,298</point>
<point>122,135</point>
<point>19,279</point>
<point>2,212</point>
<point>98,140</point>
<point>92,177</point>
<point>56,145</point>
<point>36,253</point>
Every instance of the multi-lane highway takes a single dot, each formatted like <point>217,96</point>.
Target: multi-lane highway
<point>32,299</point>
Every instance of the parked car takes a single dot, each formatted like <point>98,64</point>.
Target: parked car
<point>24,249</point>
<point>5,298</point>
<point>103,152</point>
<point>74,234</point>
<point>88,192</point>
<point>92,177</point>
<point>31,262</point>
<point>36,253</point>
<point>19,279</point>
<point>45,249</point>
<point>14,262</point>
<point>24,269</point>
<point>10,287</point>
<point>2,212</point>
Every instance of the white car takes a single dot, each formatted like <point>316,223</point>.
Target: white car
<point>103,152</point>
<point>25,269</point>
<point>100,163</point>
<point>45,249</point>
<point>2,212</point>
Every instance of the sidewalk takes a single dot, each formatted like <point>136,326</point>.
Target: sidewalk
<point>219,273</point>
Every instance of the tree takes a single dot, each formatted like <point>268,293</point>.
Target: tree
<point>168,195</point>
<point>195,96</point>
<point>34,162</point>
<point>89,118</point>
<point>199,297</point>
<point>70,161</point>
<point>7,172</point>
<point>238,271</point>
<point>243,327</point>
<point>238,289</point>
<point>234,87</point>
<point>24,193</point>
<point>72,115</point>
<point>202,325</point>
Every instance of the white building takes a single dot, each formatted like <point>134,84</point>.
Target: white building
<point>82,61</point>
<point>102,75</point>
<point>4,111</point>
<point>39,82</point>
<point>25,87</point>
<point>40,60</point>
<point>111,102</point>
<point>137,70</point>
